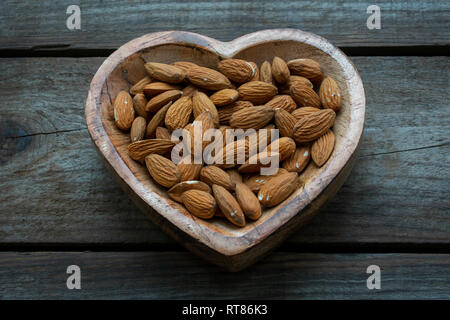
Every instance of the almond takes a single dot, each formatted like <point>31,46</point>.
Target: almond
<point>330,94</point>
<point>285,122</point>
<point>156,88</point>
<point>302,80</point>
<point>313,126</point>
<point>304,96</point>
<point>228,205</point>
<point>226,112</point>
<point>237,70</point>
<point>139,86</point>
<point>201,103</point>
<point>189,170</point>
<point>301,112</point>
<point>137,131</point>
<point>299,160</point>
<point>307,68</point>
<point>157,102</point>
<point>257,92</point>
<point>207,123</point>
<point>162,133</point>
<point>255,117</point>
<point>232,154</point>
<point>255,182</point>
<point>278,189</point>
<point>140,149</point>
<point>322,148</point>
<point>184,65</point>
<point>266,73</point>
<point>123,110</point>
<point>258,161</point>
<point>177,190</point>
<point>214,175</point>
<point>139,103</point>
<point>224,97</point>
<point>165,72</point>
<point>285,145</point>
<point>280,70</point>
<point>157,120</point>
<point>282,101</point>
<point>200,203</point>
<point>256,75</point>
<point>162,170</point>
<point>235,176</point>
<point>208,78</point>
<point>178,114</point>
<point>248,201</point>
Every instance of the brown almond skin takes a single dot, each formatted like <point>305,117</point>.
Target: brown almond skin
<point>139,103</point>
<point>307,68</point>
<point>256,75</point>
<point>304,96</point>
<point>155,88</point>
<point>235,176</point>
<point>257,92</point>
<point>157,102</point>
<point>138,150</point>
<point>322,148</point>
<point>282,101</point>
<point>224,97</point>
<point>157,120</point>
<point>280,70</point>
<point>286,147</point>
<point>330,94</point>
<point>137,131</point>
<point>299,160</point>
<point>178,114</point>
<point>162,133</point>
<point>236,70</point>
<point>214,175</point>
<point>123,110</point>
<point>285,122</point>
<point>265,73</point>
<point>248,201</point>
<point>228,205</point>
<point>139,86</point>
<point>226,112</point>
<point>177,190</point>
<point>208,78</point>
<point>184,65</point>
<point>255,182</point>
<point>189,171</point>
<point>162,170</point>
<point>164,72</point>
<point>255,117</point>
<point>278,189</point>
<point>200,203</point>
<point>301,112</point>
<point>313,126</point>
<point>201,103</point>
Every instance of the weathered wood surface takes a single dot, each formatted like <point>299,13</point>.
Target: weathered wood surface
<point>176,275</point>
<point>55,189</point>
<point>36,25</point>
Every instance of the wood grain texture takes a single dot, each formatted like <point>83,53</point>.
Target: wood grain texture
<point>42,24</point>
<point>46,154</point>
<point>163,275</point>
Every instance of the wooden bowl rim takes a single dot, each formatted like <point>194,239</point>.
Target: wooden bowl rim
<point>225,244</point>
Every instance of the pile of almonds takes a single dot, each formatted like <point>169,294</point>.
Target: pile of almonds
<point>293,97</point>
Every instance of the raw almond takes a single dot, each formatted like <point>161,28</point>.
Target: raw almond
<point>248,201</point>
<point>278,189</point>
<point>282,101</point>
<point>228,205</point>
<point>162,170</point>
<point>208,78</point>
<point>258,161</point>
<point>232,154</point>
<point>184,65</point>
<point>177,190</point>
<point>200,203</point>
<point>299,160</point>
<point>157,120</point>
<point>304,81</point>
<point>256,75</point>
<point>226,112</point>
<point>285,122</point>
<point>137,131</point>
<point>207,123</point>
<point>235,176</point>
<point>178,114</point>
<point>304,96</point>
<point>285,145</point>
<point>254,117</point>
<point>140,149</point>
<point>307,68</point>
<point>301,112</point>
<point>156,88</point>
<point>266,72</point>
<point>224,97</point>
<point>123,110</point>
<point>162,133</point>
<point>139,86</point>
<point>330,94</point>
<point>257,92</point>
<point>214,175</point>
<point>237,70</point>
<point>139,103</point>
<point>313,126</point>
<point>280,70</point>
<point>255,182</point>
<point>165,72</point>
<point>201,103</point>
<point>157,102</point>
<point>189,170</point>
<point>322,148</point>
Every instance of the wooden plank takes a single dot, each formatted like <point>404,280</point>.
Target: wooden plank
<point>170,275</point>
<point>55,189</point>
<point>109,24</point>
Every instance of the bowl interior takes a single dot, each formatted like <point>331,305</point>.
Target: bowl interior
<point>131,69</point>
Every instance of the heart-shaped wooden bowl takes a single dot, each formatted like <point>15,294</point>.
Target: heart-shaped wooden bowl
<point>217,240</point>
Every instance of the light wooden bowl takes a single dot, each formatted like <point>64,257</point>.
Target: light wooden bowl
<point>217,240</point>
